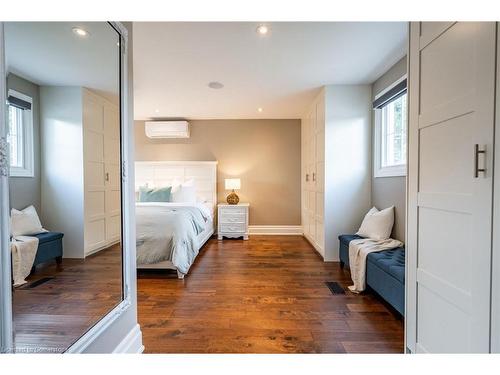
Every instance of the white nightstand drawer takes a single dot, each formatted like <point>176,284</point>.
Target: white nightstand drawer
<point>233,228</point>
<point>233,218</point>
<point>233,210</point>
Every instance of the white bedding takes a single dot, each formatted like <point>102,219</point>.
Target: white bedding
<point>170,232</point>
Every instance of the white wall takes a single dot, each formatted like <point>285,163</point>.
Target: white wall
<point>390,191</point>
<point>347,161</point>
<point>62,171</point>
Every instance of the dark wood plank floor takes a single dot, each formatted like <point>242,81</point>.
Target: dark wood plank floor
<point>53,315</point>
<point>265,295</point>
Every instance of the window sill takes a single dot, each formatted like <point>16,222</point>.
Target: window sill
<point>396,171</point>
<point>21,172</point>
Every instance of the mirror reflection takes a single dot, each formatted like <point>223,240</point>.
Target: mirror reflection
<point>65,186</point>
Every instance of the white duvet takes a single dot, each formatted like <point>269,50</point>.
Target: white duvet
<point>169,231</point>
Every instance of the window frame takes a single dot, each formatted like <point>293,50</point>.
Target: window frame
<point>27,170</point>
<point>378,169</point>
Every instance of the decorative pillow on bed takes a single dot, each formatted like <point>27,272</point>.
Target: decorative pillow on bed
<point>377,224</point>
<point>25,222</point>
<point>155,195</point>
<point>184,193</point>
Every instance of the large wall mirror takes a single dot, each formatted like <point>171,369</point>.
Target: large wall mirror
<point>63,107</point>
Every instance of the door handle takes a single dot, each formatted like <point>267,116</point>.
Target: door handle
<point>307,177</point>
<point>477,151</point>
<point>314,176</point>
<point>107,176</point>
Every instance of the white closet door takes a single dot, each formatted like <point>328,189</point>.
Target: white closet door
<point>452,71</point>
<point>319,176</point>
<point>112,172</point>
<point>94,174</point>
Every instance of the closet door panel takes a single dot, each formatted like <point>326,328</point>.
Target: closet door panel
<point>94,146</point>
<point>95,205</point>
<point>431,30</point>
<point>95,235</point>
<point>94,176</point>
<point>92,113</point>
<point>450,217</point>
<point>113,228</point>
<point>112,203</point>
<point>447,144</point>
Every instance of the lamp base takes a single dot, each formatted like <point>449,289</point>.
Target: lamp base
<point>233,198</point>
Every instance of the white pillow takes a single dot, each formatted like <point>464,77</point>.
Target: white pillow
<point>184,193</point>
<point>377,225</point>
<point>25,222</point>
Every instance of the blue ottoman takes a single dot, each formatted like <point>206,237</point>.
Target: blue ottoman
<point>50,247</point>
<point>385,272</point>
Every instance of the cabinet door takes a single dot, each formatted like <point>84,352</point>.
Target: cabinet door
<point>94,174</point>
<point>312,219</point>
<point>451,81</point>
<point>112,172</point>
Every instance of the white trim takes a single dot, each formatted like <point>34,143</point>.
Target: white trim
<point>6,339</point>
<point>495,259</point>
<point>378,171</point>
<point>132,343</point>
<point>281,230</point>
<point>128,210</point>
<point>28,145</point>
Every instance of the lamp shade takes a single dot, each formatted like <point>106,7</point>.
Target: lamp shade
<point>233,184</point>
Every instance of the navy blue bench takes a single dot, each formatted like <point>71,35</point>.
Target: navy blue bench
<point>385,272</point>
<point>50,247</point>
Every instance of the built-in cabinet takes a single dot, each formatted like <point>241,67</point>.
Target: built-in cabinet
<point>313,171</point>
<point>452,295</point>
<point>336,174</point>
<point>80,133</point>
<point>101,139</point>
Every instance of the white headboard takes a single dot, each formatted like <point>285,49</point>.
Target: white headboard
<point>164,173</point>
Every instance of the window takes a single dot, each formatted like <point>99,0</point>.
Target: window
<point>20,136</point>
<point>390,132</point>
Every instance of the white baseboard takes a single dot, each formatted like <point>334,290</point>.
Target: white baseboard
<point>132,343</point>
<point>295,230</point>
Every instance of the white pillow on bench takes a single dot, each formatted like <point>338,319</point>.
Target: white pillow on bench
<point>25,222</point>
<point>377,225</point>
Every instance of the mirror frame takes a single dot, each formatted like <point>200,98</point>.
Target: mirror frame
<point>128,218</point>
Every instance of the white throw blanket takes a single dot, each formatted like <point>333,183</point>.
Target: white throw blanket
<point>23,255</point>
<point>358,251</point>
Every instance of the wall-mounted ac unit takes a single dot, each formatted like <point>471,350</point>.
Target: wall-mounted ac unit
<point>167,129</point>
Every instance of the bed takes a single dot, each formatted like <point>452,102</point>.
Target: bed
<point>170,235</point>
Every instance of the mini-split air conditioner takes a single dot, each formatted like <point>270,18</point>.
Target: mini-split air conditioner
<point>167,129</point>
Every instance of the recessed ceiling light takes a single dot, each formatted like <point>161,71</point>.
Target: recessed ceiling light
<point>157,111</point>
<point>81,32</point>
<point>262,29</point>
<point>215,85</point>
<point>259,109</point>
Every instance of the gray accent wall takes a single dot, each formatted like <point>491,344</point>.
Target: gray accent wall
<point>388,191</point>
<point>25,191</point>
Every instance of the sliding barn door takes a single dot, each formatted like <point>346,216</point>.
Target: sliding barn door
<point>452,89</point>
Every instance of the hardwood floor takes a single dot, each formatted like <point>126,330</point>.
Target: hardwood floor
<point>264,295</point>
<point>53,315</point>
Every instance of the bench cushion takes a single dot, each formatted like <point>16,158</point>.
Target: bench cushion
<point>390,261</point>
<point>48,236</point>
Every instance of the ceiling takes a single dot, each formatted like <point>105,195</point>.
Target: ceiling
<point>50,53</point>
<point>279,72</point>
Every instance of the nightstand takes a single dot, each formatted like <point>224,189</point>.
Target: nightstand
<point>232,220</point>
